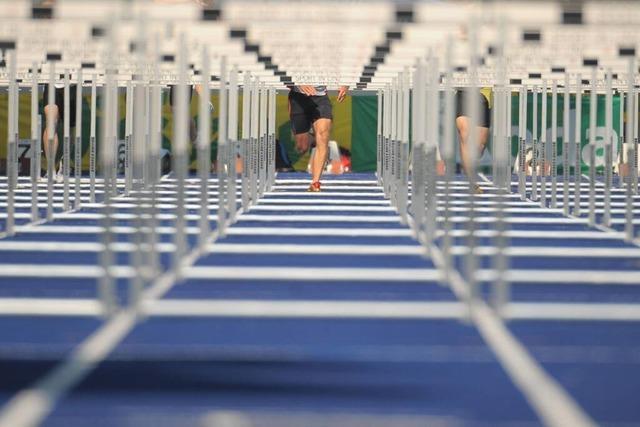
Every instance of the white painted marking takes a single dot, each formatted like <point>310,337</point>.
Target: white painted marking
<point>617,312</point>
<point>320,218</point>
<point>50,307</point>
<point>390,250</point>
<point>341,232</point>
<point>318,201</point>
<point>51,271</point>
<point>320,273</point>
<point>573,311</point>
<point>552,252</point>
<point>320,208</point>
<point>47,246</point>
<point>325,194</point>
<point>542,234</point>
<point>91,229</point>
<point>580,277</point>
<point>306,309</point>
<point>364,182</point>
<point>327,186</point>
<point>385,310</point>
<point>123,216</point>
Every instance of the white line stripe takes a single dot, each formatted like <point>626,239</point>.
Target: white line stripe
<point>396,219</point>
<point>342,232</point>
<point>321,208</point>
<point>49,307</point>
<point>306,309</point>
<point>47,246</point>
<point>568,277</point>
<point>342,208</point>
<point>581,277</point>
<point>321,274</point>
<point>542,234</point>
<point>320,218</point>
<point>552,252</point>
<point>298,201</point>
<point>123,216</point>
<point>402,232</point>
<point>324,309</point>
<point>326,205</point>
<point>325,194</point>
<point>573,311</point>
<point>520,220</point>
<point>62,271</point>
<point>336,232</point>
<point>122,205</point>
<point>327,186</point>
<point>91,229</point>
<point>386,310</point>
<point>17,215</point>
<point>391,250</point>
<point>286,181</point>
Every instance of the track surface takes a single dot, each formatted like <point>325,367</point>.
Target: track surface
<point>345,245</point>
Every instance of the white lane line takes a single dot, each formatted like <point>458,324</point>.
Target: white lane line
<point>515,276</point>
<point>390,250</point>
<point>371,182</point>
<point>320,218</point>
<point>520,220</point>
<point>386,310</point>
<point>116,205</point>
<point>50,307</point>
<point>321,208</point>
<point>48,246</point>
<point>62,271</point>
<point>312,273</point>
<point>524,210</point>
<point>325,194</point>
<point>513,196</point>
<point>335,232</point>
<point>396,219</point>
<point>298,201</point>
<point>324,208</point>
<point>602,312</point>
<point>327,186</point>
<point>306,309</point>
<point>402,232</point>
<point>573,311</point>
<point>124,216</point>
<point>578,276</point>
<point>17,215</point>
<point>91,229</point>
<point>342,232</point>
<point>553,252</point>
<point>540,234</point>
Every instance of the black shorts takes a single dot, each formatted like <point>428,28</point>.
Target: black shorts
<point>173,93</point>
<point>305,110</point>
<point>484,112</point>
<point>59,101</point>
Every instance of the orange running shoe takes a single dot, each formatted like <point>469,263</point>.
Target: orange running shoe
<point>314,187</point>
